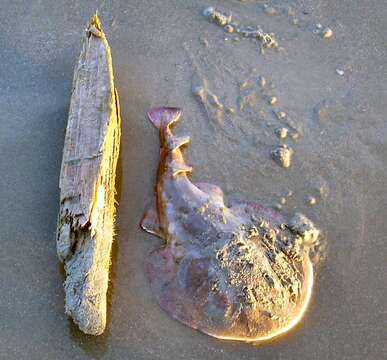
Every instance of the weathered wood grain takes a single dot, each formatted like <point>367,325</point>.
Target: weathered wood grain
<point>87,183</point>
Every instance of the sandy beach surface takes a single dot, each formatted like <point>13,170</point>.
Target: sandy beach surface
<point>330,95</point>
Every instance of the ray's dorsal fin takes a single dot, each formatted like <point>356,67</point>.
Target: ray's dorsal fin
<point>164,116</point>
<point>178,141</point>
<point>179,167</point>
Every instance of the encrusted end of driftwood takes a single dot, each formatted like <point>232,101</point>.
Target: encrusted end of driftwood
<point>87,183</point>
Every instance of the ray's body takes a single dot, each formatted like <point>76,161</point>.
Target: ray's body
<point>233,272</point>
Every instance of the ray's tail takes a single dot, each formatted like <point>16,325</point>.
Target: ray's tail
<point>163,118</point>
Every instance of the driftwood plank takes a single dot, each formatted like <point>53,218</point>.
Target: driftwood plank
<point>87,183</point>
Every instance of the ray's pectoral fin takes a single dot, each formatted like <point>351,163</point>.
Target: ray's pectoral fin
<point>214,191</point>
<point>150,222</point>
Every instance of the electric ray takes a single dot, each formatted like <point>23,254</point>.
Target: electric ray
<point>237,271</point>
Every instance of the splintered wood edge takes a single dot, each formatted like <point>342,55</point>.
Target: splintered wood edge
<point>87,183</point>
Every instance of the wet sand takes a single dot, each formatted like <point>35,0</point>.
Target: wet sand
<point>161,50</point>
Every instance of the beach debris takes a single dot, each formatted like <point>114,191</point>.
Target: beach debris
<point>280,115</point>
<point>295,135</point>
<point>207,95</point>
<point>229,28</point>
<point>277,206</point>
<point>321,110</point>
<point>114,24</point>
<point>327,33</point>
<point>323,190</point>
<point>282,132</point>
<point>328,109</point>
<point>208,99</point>
<point>87,183</point>
<point>324,32</point>
<point>224,20</point>
<point>267,39</point>
<point>256,99</point>
<point>232,271</point>
<point>204,41</point>
<point>217,16</point>
<point>278,9</point>
<point>245,85</point>
<point>247,99</point>
<point>317,28</point>
<point>311,200</point>
<point>261,81</point>
<point>270,10</point>
<point>272,100</point>
<point>230,110</point>
<point>282,155</point>
<point>340,72</point>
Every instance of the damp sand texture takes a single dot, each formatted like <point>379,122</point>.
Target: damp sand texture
<point>340,159</point>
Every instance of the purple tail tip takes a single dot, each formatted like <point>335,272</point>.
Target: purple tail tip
<point>163,116</point>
